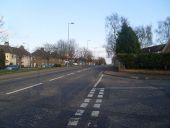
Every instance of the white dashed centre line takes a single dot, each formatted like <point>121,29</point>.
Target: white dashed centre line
<point>79,112</point>
<point>99,101</point>
<point>73,121</point>
<point>22,89</point>
<point>96,106</point>
<point>84,105</point>
<point>57,78</point>
<point>95,113</point>
<point>70,73</point>
<point>87,100</point>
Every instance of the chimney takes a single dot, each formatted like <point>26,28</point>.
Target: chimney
<point>6,43</point>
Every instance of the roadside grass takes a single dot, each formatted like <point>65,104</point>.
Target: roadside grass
<point>4,72</point>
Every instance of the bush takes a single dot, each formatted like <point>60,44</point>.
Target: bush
<point>2,59</point>
<point>57,65</point>
<point>145,61</point>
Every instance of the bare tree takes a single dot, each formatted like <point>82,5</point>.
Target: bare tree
<point>144,35</point>
<point>3,33</point>
<point>48,47</point>
<point>163,31</point>
<point>62,47</point>
<point>84,55</point>
<point>113,26</point>
<point>72,46</point>
<point>100,61</point>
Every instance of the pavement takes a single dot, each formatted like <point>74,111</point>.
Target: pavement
<point>138,75</point>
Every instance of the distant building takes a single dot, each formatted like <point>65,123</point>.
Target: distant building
<point>16,56</point>
<point>41,58</point>
<point>162,48</point>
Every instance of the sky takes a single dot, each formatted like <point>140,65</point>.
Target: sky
<point>33,23</point>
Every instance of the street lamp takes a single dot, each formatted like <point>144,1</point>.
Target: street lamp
<point>69,30</point>
<point>69,23</point>
<point>88,44</point>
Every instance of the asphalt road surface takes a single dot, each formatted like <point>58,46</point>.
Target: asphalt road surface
<point>84,98</point>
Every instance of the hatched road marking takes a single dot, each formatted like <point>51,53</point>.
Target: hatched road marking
<point>95,113</point>
<point>73,121</point>
<point>99,101</point>
<point>100,96</point>
<point>101,93</point>
<point>90,95</point>
<point>96,106</point>
<point>84,105</point>
<point>79,112</point>
<point>87,100</point>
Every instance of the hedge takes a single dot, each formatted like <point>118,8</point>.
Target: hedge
<point>57,65</point>
<point>2,58</point>
<point>145,61</point>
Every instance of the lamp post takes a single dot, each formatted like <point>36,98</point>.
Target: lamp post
<point>69,30</point>
<point>69,23</point>
<point>88,44</point>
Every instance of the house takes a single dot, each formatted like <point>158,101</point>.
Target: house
<point>16,56</point>
<point>162,48</point>
<point>41,58</point>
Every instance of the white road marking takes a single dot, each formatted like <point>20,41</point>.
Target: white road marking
<point>73,121</point>
<point>95,113</point>
<point>70,74</point>
<point>134,77</point>
<point>90,95</point>
<point>148,87</point>
<point>79,112</point>
<point>100,96</point>
<point>65,75</point>
<point>93,90</point>
<point>101,93</point>
<point>57,78</point>
<point>96,106</point>
<point>79,71</point>
<point>84,105</point>
<point>22,89</point>
<point>98,80</point>
<point>87,100</point>
<point>99,101</point>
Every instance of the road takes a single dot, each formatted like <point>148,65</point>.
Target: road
<point>84,98</point>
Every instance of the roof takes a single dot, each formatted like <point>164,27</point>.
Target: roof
<point>154,49</point>
<point>40,53</point>
<point>14,50</point>
<point>167,47</point>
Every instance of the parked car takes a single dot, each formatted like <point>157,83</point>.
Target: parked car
<point>12,67</point>
<point>47,65</point>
